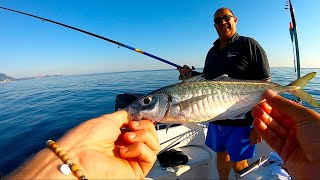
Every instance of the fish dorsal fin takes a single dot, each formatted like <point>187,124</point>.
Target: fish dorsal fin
<point>197,78</point>
<point>224,77</point>
<point>200,78</point>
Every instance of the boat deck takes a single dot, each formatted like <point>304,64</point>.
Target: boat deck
<point>202,160</point>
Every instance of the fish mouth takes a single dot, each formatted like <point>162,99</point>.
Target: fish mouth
<point>132,116</point>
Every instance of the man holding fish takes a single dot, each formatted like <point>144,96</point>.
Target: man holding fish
<point>240,58</point>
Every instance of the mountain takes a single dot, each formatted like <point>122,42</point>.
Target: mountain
<point>5,78</point>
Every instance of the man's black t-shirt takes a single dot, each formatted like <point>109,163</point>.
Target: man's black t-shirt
<point>242,58</point>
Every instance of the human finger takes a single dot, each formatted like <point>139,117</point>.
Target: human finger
<point>273,125</point>
<point>143,136</point>
<point>268,135</point>
<point>252,142</point>
<point>252,137</point>
<point>144,125</point>
<point>94,130</point>
<point>142,153</point>
<point>269,110</point>
<point>186,67</point>
<point>265,107</point>
<point>273,112</point>
<point>139,150</point>
<point>255,138</point>
<point>291,144</point>
<point>119,118</point>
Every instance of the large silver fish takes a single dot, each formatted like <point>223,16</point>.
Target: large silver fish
<point>198,100</point>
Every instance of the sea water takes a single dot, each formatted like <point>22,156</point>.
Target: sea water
<point>33,111</point>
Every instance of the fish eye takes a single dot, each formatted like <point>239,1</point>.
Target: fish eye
<point>146,100</point>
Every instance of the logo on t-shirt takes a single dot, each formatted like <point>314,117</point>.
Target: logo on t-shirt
<point>232,54</point>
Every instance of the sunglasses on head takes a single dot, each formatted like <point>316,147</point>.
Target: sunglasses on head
<point>218,20</point>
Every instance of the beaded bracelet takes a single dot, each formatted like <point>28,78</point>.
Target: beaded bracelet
<point>68,166</point>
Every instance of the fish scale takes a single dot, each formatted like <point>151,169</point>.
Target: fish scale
<point>221,95</point>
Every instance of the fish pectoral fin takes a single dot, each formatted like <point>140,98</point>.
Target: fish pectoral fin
<point>167,127</point>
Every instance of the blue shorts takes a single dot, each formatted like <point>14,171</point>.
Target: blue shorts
<point>233,139</point>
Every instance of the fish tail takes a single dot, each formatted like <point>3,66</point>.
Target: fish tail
<point>305,97</point>
<point>301,82</point>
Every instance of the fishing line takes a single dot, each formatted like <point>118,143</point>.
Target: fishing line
<point>184,138</point>
<point>95,35</point>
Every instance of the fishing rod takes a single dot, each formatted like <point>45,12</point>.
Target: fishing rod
<point>95,35</point>
<point>294,40</point>
<point>293,47</point>
<point>294,37</point>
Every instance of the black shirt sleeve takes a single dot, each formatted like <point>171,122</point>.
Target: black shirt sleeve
<point>259,61</point>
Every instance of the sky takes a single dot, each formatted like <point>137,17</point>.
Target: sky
<point>180,31</point>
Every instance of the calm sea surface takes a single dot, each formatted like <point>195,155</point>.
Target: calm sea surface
<point>33,111</point>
